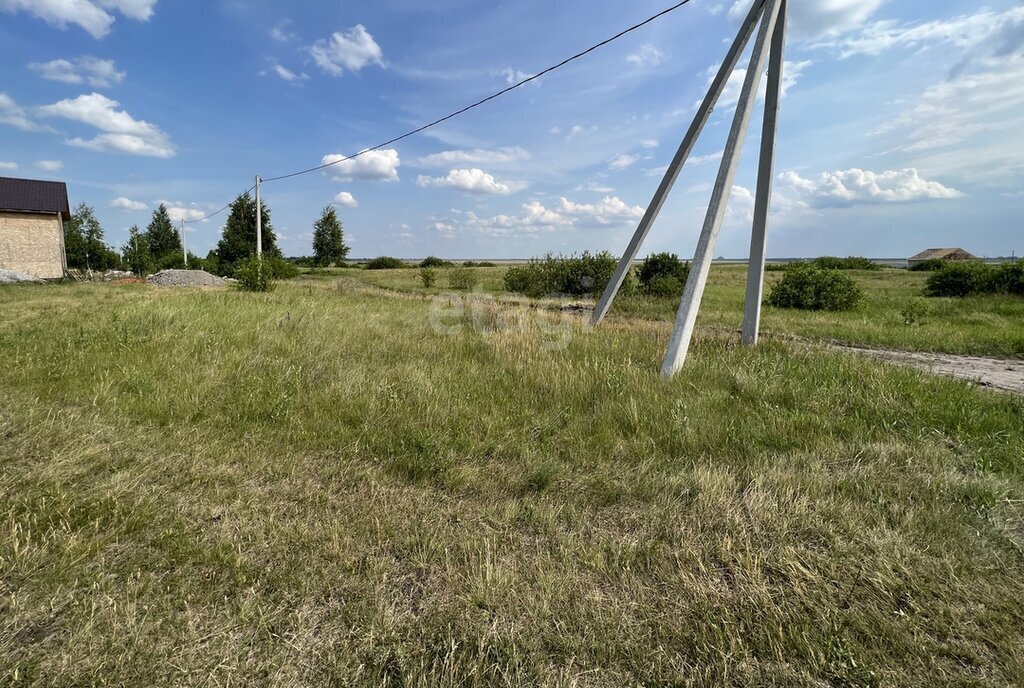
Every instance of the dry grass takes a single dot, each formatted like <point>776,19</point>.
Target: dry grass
<point>314,487</point>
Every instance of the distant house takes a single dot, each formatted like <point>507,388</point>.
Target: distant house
<point>939,254</point>
<point>32,215</point>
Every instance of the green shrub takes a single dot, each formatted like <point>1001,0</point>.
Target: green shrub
<point>663,274</point>
<point>386,263</point>
<point>462,279</point>
<point>583,275</point>
<point>1009,278</point>
<point>435,262</point>
<point>930,265</point>
<point>280,268</point>
<point>479,264</point>
<point>428,276</point>
<point>960,279</point>
<point>848,263</point>
<point>777,267</point>
<point>253,275</point>
<point>970,278</point>
<point>808,287</point>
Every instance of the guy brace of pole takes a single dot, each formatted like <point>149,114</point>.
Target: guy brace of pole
<point>771,39</point>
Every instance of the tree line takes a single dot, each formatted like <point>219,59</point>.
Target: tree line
<point>159,247</point>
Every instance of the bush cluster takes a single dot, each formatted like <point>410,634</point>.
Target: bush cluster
<point>252,276</point>
<point>435,262</point>
<point>428,276</point>
<point>663,274</point>
<point>970,278</point>
<point>809,287</point>
<point>848,263</point>
<point>461,279</point>
<point>930,265</point>
<point>583,275</point>
<point>386,263</point>
<point>479,264</point>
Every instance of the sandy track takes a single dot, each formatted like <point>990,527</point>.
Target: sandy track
<point>999,373</point>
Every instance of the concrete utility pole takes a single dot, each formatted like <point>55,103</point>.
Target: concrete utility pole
<point>765,175</point>
<point>707,107</point>
<point>259,222</point>
<point>770,38</point>
<point>184,249</point>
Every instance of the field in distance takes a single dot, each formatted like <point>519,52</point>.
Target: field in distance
<point>332,484</point>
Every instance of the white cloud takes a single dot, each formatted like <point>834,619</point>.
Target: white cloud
<point>477,156</point>
<point>473,180</point>
<point>623,161</point>
<point>127,204</point>
<point>283,32</point>
<point>179,211</point>
<point>536,217</point>
<point>14,115</point>
<point>649,143</point>
<point>85,69</point>
<point>376,165</point>
<point>49,165</point>
<point>856,186</point>
<point>514,76</point>
<point>123,133</point>
<point>351,50</point>
<point>791,73</point>
<point>964,31</point>
<point>819,17</point>
<point>91,15</point>
<point>346,199</point>
<point>8,165</point>
<point>646,56</point>
<point>288,75</point>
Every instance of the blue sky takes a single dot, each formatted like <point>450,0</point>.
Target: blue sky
<point>901,126</point>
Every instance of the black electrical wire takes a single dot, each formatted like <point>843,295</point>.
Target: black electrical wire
<point>466,109</point>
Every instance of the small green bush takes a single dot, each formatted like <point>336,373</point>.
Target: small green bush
<point>970,278</point>
<point>386,263</point>
<point>960,279</point>
<point>1009,278</point>
<point>428,276</point>
<point>663,274</point>
<point>479,264</point>
<point>583,275</point>
<point>435,262</point>
<point>808,287</point>
<point>848,263</point>
<point>930,265</point>
<point>280,268</point>
<point>252,275</point>
<point>462,279</point>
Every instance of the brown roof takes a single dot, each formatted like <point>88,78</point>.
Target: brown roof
<point>937,253</point>
<point>34,196</point>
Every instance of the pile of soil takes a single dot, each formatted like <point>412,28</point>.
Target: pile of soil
<point>185,278</point>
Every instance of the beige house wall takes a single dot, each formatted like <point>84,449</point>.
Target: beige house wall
<point>32,243</point>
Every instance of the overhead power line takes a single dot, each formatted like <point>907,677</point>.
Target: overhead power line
<point>461,111</point>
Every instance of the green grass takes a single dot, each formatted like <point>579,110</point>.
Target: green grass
<point>315,487</point>
<point>981,325</point>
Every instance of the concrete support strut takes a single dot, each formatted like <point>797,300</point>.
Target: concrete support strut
<point>686,318</point>
<point>707,106</point>
<point>765,177</point>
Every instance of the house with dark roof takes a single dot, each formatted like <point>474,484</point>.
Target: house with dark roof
<point>939,254</point>
<point>32,216</point>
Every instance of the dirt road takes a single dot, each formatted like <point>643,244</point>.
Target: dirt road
<point>998,373</point>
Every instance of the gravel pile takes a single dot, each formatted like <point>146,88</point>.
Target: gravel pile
<point>184,278</point>
<point>10,277</point>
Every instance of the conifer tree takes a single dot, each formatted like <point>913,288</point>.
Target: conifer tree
<point>135,252</point>
<point>162,238</point>
<point>239,238</point>
<point>329,238</point>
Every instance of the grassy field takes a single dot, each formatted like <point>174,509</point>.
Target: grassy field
<point>326,485</point>
<point>983,325</point>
